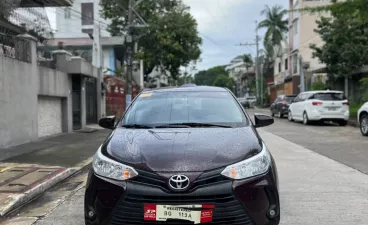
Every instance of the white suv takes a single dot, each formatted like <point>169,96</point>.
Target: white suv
<point>320,106</point>
<point>363,119</point>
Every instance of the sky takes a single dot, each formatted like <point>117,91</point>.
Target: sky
<point>222,25</point>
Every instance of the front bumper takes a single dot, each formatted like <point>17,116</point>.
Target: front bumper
<point>245,202</point>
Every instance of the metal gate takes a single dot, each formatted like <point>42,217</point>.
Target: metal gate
<point>91,100</point>
<point>76,102</point>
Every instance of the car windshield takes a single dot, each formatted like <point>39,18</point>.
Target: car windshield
<point>289,99</point>
<point>333,96</point>
<point>185,107</point>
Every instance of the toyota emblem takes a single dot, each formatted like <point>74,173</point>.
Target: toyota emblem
<point>179,182</point>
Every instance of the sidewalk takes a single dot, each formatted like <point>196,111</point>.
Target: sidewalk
<point>26,171</point>
<point>315,189</point>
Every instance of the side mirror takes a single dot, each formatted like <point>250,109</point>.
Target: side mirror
<point>107,122</point>
<point>262,120</point>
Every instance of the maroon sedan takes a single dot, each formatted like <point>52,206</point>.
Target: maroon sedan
<point>187,155</point>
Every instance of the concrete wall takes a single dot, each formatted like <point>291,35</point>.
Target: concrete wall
<point>29,93</point>
<point>18,102</point>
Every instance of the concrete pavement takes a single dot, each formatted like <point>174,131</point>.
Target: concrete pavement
<point>313,189</point>
<point>29,170</point>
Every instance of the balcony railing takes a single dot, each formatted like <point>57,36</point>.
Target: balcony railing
<point>15,48</point>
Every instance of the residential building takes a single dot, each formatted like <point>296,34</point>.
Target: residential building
<point>42,97</point>
<point>75,27</point>
<point>240,73</point>
<point>79,19</point>
<point>301,35</point>
<point>281,67</point>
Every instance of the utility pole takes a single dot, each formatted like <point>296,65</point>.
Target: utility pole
<point>256,61</point>
<point>301,69</point>
<point>129,58</point>
<point>130,47</point>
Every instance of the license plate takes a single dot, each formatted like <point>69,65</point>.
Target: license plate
<point>194,213</point>
<point>332,108</point>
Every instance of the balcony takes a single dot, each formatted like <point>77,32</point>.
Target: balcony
<point>45,3</point>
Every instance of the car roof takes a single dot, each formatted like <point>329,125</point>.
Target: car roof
<point>188,88</point>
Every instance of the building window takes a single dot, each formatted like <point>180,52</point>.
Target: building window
<point>67,13</point>
<point>295,27</point>
<point>286,64</point>
<point>87,13</point>
<point>295,64</point>
<point>279,67</point>
<point>87,31</point>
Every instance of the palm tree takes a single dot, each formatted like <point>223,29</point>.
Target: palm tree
<point>247,59</point>
<point>275,24</point>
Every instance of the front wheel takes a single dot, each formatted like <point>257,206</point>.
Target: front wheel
<point>290,117</point>
<point>364,125</point>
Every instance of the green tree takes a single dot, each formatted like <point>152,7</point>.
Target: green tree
<point>207,77</point>
<point>275,23</point>
<point>247,59</point>
<point>223,81</point>
<point>345,36</point>
<point>170,41</point>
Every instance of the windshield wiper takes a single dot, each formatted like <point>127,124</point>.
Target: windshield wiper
<point>172,126</point>
<point>201,125</point>
<point>138,126</point>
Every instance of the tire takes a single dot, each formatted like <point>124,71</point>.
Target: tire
<point>343,123</point>
<point>280,114</point>
<point>290,117</point>
<point>272,114</point>
<point>305,119</point>
<point>364,124</point>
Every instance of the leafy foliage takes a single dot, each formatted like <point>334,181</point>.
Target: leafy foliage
<point>319,85</point>
<point>223,81</point>
<point>208,77</point>
<point>275,23</point>
<point>7,7</point>
<point>170,41</point>
<point>345,35</point>
<point>247,59</point>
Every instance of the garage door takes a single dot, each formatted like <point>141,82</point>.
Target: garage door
<point>49,116</point>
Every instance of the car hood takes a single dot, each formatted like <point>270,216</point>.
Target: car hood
<point>183,149</point>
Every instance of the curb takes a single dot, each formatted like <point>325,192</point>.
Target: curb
<point>15,201</point>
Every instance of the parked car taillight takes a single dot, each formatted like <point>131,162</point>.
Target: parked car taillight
<point>345,103</point>
<point>284,104</point>
<point>316,103</point>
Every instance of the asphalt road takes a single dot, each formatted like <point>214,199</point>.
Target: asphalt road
<point>342,144</point>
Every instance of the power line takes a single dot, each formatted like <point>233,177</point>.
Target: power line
<point>217,44</point>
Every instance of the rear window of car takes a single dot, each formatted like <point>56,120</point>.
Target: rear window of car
<point>331,96</point>
<point>155,108</point>
<point>289,98</point>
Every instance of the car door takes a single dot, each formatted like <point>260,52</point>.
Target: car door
<point>294,107</point>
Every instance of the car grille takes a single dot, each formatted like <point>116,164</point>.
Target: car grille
<point>228,210</point>
<point>207,178</point>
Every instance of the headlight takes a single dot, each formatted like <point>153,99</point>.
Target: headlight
<point>251,167</point>
<point>109,168</point>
